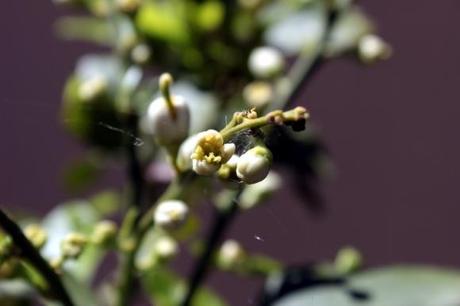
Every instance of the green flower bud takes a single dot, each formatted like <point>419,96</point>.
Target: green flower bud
<point>104,232</point>
<point>36,234</point>
<point>348,260</point>
<point>73,245</point>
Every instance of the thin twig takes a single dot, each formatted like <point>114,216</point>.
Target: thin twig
<point>305,67</point>
<point>31,254</point>
<point>221,223</point>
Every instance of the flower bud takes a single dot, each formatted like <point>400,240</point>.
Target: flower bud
<point>230,254</point>
<point>258,192</point>
<point>258,94</point>
<point>170,214</point>
<point>348,260</point>
<point>166,129</point>
<point>165,247</point>
<point>227,170</point>
<point>141,54</point>
<point>254,165</point>
<point>266,62</point>
<point>168,116</point>
<point>36,234</point>
<point>210,152</point>
<point>372,48</point>
<point>73,245</point>
<point>92,88</point>
<point>104,232</point>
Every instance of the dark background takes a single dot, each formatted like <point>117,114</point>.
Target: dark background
<point>392,130</point>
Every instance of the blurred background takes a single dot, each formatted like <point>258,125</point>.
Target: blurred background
<point>391,131</point>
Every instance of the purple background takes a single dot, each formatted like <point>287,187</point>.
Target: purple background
<point>392,131</point>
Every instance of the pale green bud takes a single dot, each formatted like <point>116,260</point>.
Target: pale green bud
<point>104,232</point>
<point>73,245</point>
<point>36,234</point>
<point>92,88</point>
<point>372,48</point>
<point>348,260</point>
<point>258,94</point>
<point>230,254</point>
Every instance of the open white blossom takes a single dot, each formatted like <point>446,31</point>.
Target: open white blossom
<point>210,152</point>
<point>266,62</point>
<point>171,214</point>
<point>254,165</point>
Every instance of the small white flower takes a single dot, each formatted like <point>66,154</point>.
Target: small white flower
<point>92,88</point>
<point>254,165</point>
<point>170,214</point>
<point>266,62</point>
<point>230,254</point>
<point>166,129</point>
<point>372,48</point>
<point>210,152</point>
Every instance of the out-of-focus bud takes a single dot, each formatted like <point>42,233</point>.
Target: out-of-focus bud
<point>257,193</point>
<point>171,214</point>
<point>128,6</point>
<point>73,245</point>
<point>230,254</point>
<point>168,116</point>
<point>92,88</point>
<point>184,157</point>
<point>36,234</point>
<point>254,165</point>
<point>210,152</point>
<point>165,247</point>
<point>141,54</point>
<point>372,48</point>
<point>104,232</point>
<point>348,260</point>
<point>266,62</point>
<point>258,94</point>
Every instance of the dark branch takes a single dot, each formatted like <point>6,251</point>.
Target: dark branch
<point>31,254</point>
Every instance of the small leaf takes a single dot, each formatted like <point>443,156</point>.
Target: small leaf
<point>85,28</point>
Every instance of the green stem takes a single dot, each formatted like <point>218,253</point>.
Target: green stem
<point>31,254</point>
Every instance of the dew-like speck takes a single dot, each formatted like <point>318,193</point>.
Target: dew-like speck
<point>258,238</point>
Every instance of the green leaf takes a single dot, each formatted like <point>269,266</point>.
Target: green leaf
<point>395,286</point>
<point>163,21</point>
<point>165,288</point>
<point>85,28</point>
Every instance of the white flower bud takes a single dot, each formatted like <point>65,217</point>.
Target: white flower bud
<point>141,54</point>
<point>230,254</point>
<point>372,48</point>
<point>92,88</point>
<point>170,214</point>
<point>256,193</point>
<point>184,159</point>
<point>210,152</point>
<point>254,165</point>
<point>166,129</point>
<point>258,94</point>
<point>266,62</point>
<point>165,247</point>
<point>73,245</point>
